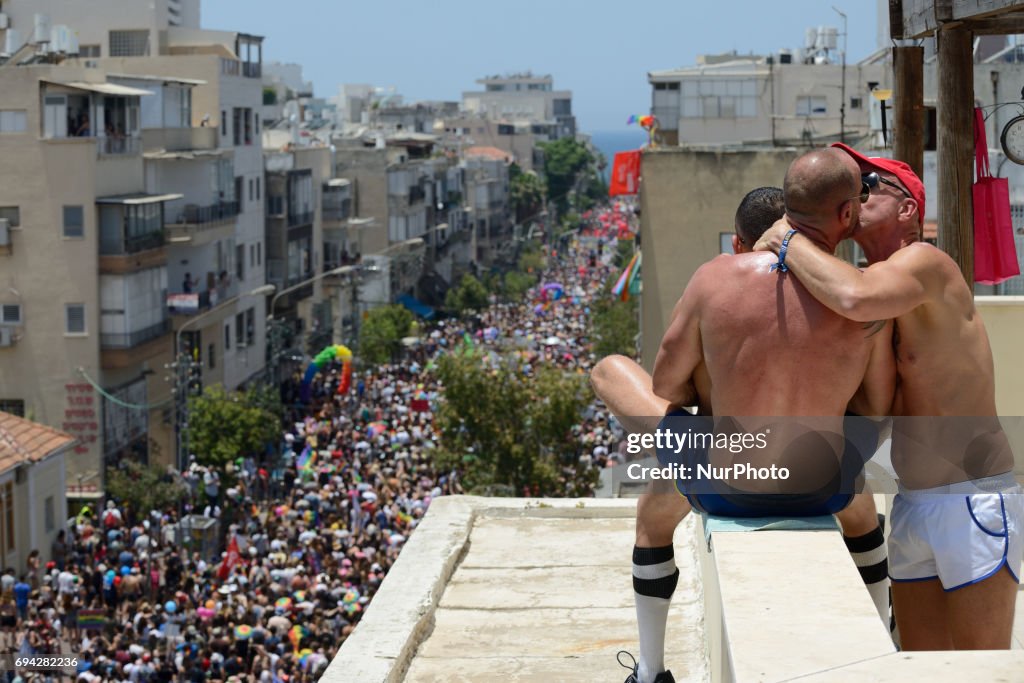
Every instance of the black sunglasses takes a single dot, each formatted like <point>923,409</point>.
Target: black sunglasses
<point>872,179</point>
<point>865,193</point>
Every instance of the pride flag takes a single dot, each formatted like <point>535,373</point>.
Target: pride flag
<point>625,284</point>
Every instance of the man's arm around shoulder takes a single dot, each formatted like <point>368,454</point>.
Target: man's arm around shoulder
<point>910,277</point>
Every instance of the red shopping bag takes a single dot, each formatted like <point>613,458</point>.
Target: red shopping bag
<point>995,255</point>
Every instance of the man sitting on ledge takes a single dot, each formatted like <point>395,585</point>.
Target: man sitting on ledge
<point>746,339</point>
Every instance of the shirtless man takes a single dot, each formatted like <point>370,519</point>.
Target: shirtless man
<point>738,335</point>
<point>955,546</point>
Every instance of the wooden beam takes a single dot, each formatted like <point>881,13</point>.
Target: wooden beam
<point>919,18</point>
<point>975,9</point>
<point>908,99</point>
<point>956,147</point>
<point>896,19</point>
<point>1003,25</point>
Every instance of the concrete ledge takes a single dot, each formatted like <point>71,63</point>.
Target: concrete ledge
<point>784,604</point>
<point>402,613</point>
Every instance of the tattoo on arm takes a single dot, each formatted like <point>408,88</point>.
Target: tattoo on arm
<point>873,328</point>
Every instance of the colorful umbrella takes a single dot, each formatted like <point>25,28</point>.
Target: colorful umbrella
<point>243,632</point>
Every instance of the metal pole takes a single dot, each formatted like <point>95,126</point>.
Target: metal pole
<point>842,101</point>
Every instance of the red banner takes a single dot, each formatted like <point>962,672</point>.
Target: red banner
<point>625,173</point>
<point>234,557</point>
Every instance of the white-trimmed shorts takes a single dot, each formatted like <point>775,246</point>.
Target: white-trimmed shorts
<point>960,534</point>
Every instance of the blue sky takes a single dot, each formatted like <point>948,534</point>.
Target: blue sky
<point>599,49</point>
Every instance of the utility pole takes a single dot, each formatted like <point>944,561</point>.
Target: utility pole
<point>842,101</point>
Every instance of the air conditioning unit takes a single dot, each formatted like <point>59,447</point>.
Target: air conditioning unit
<point>5,232</point>
<point>5,21</point>
<point>6,336</point>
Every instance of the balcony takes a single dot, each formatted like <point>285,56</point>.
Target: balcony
<point>252,69</point>
<point>119,146</point>
<point>128,349</point>
<point>198,225</point>
<point>127,340</point>
<point>122,254</point>
<point>179,139</point>
<point>300,218</point>
<point>191,303</point>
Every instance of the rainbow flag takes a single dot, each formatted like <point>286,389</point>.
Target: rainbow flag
<point>629,275</point>
<point>92,619</point>
<point>306,459</point>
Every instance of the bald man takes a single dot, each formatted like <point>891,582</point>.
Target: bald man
<point>957,523</point>
<point>747,339</point>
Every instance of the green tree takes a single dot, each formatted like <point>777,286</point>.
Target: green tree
<point>566,162</point>
<point>527,192</point>
<point>381,333</point>
<point>517,284</point>
<point>614,325</point>
<point>225,425</point>
<point>469,295</point>
<point>145,488</point>
<point>506,431</point>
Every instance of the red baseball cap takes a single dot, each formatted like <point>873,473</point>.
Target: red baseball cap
<point>900,169</point>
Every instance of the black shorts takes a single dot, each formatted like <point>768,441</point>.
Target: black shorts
<point>719,498</point>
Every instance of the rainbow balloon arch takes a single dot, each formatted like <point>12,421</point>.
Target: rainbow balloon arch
<point>335,352</point>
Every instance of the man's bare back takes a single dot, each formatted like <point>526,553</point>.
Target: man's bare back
<point>769,347</point>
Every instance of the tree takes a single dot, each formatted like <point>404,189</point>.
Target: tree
<point>507,431</point>
<point>469,295</point>
<point>614,325</point>
<point>225,425</point>
<point>527,192</point>
<point>382,331</point>
<point>517,284</point>
<point>144,487</point>
<point>565,160</point>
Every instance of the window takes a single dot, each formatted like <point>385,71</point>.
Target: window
<point>252,255</point>
<point>666,86</point>
<point>12,214</point>
<point>13,406</point>
<point>74,319</point>
<point>709,98</point>
<point>856,102</point>
<point>88,51</point>
<point>252,189</point>
<point>223,123</point>
<point>74,221</point>
<point>259,253</point>
<point>129,43</point>
<point>239,195</point>
<point>240,261</point>
<point>210,358</point>
<point>248,119</point>
<point>250,326</point>
<point>13,121</point>
<point>236,125</point>
<point>10,314</point>
<point>240,330</point>
<point>257,189</point>
<point>227,336</point>
<point>49,514</point>
<point>811,105</point>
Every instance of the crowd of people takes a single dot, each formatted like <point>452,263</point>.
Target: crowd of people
<point>300,541</point>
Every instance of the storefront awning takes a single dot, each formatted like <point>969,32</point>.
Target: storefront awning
<point>104,88</point>
<point>416,306</point>
<point>134,199</point>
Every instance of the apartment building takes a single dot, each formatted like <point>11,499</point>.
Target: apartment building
<point>84,326</point>
<point>523,97</point>
<point>489,204</point>
<point>173,217</point>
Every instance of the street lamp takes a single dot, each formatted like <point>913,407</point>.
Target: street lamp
<point>275,334</point>
<point>183,366</point>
